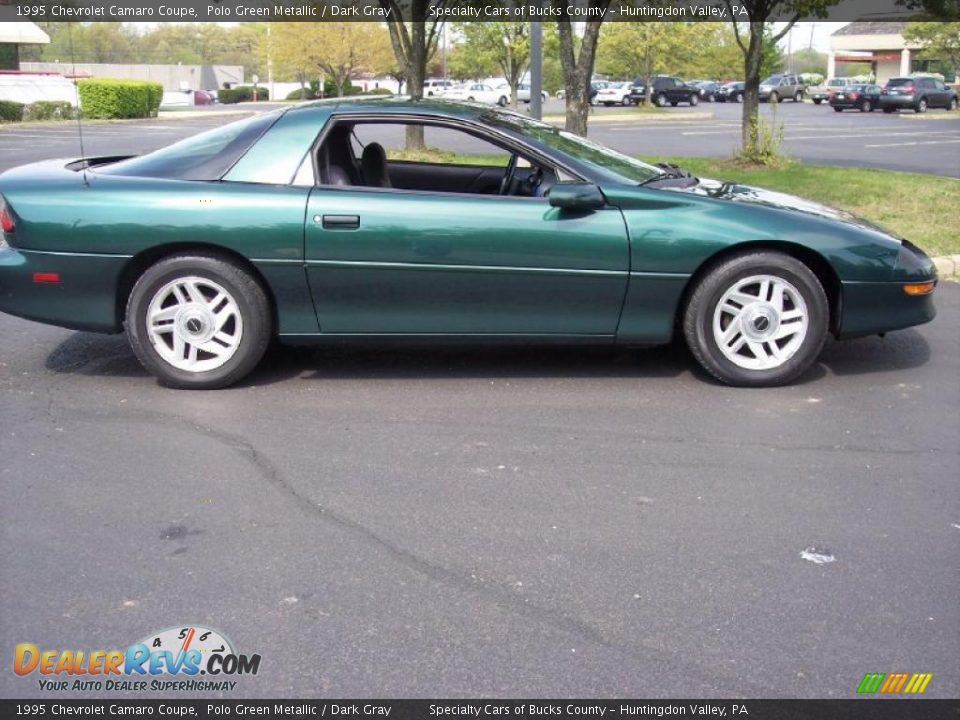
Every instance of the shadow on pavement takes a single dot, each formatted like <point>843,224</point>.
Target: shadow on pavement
<point>93,355</point>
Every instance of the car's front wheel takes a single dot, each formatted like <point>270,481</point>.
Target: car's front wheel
<point>694,100</point>
<point>817,101</point>
<point>866,107</point>
<point>661,100</point>
<point>921,106</point>
<point>198,321</point>
<point>952,105</point>
<point>758,319</point>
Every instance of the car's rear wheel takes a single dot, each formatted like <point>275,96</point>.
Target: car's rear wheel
<point>921,106</point>
<point>817,101</point>
<point>837,108</point>
<point>889,110</point>
<point>866,107</point>
<point>738,97</point>
<point>952,105</point>
<point>625,102</point>
<point>502,101</point>
<point>798,96</point>
<point>661,100</point>
<point>694,99</point>
<point>198,321</point>
<point>757,319</point>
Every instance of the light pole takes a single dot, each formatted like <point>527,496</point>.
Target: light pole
<point>536,69</point>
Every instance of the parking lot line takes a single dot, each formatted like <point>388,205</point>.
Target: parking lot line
<point>919,142</point>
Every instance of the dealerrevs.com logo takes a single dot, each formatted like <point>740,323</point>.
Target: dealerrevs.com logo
<point>170,660</point>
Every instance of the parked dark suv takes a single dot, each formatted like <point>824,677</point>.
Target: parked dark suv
<point>666,89</point>
<point>916,93</point>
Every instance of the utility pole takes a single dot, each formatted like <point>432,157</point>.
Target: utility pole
<point>536,69</point>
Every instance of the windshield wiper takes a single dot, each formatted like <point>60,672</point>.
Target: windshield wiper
<point>670,172</point>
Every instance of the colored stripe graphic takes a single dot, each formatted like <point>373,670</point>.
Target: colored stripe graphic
<point>894,683</point>
<point>870,683</point>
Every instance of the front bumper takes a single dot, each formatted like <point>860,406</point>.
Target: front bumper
<point>871,308</point>
<point>83,299</point>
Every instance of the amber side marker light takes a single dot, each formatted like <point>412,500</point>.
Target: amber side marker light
<point>924,288</point>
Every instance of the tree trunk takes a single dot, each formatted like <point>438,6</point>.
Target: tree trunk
<point>751,88</point>
<point>577,71</point>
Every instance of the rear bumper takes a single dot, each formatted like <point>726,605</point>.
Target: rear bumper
<point>83,299</point>
<point>897,101</point>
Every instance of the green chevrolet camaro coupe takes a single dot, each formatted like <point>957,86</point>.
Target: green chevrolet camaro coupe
<point>313,224</point>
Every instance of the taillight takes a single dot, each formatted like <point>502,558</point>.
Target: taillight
<point>908,88</point>
<point>6,218</point>
<point>853,95</point>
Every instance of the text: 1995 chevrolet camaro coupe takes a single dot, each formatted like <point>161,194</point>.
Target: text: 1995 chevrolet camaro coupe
<point>294,224</point>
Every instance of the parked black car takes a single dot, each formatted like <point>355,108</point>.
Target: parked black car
<point>666,89</point>
<point>708,89</point>
<point>731,92</point>
<point>917,94</point>
<point>863,97</point>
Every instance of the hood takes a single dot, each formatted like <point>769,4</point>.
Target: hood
<point>780,201</point>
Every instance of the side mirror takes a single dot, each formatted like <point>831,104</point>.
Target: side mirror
<point>576,196</point>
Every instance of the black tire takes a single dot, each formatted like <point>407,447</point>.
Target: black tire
<point>837,108</point>
<point>471,99</point>
<point>252,304</point>
<point>700,310</point>
<point>625,102</point>
<point>798,96</point>
<point>817,101</point>
<point>739,97</point>
<point>694,100</point>
<point>952,105</point>
<point>866,106</point>
<point>674,103</point>
<point>889,110</point>
<point>502,101</point>
<point>661,100</point>
<point>921,106</point>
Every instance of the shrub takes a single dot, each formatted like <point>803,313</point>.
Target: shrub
<point>242,93</point>
<point>11,111</point>
<point>108,99</point>
<point>49,110</point>
<point>305,94</point>
<point>379,91</point>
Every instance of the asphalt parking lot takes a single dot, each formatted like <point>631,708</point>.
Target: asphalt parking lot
<point>413,522</point>
<point>812,133</point>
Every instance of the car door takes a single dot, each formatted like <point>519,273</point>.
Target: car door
<point>384,261</point>
<point>942,94</point>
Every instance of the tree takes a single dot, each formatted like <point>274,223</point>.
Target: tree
<point>937,40</point>
<point>507,44</point>
<point>808,60</point>
<point>752,35</point>
<point>414,43</point>
<point>578,65</point>
<point>337,49</point>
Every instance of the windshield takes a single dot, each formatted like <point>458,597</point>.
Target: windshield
<point>615,166</point>
<point>897,82</point>
<point>772,80</point>
<point>207,156</point>
<point>836,83</point>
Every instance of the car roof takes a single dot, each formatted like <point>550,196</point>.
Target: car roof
<point>396,104</point>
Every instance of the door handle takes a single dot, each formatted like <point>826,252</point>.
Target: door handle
<point>338,222</point>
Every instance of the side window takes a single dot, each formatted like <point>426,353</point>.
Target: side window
<point>443,145</point>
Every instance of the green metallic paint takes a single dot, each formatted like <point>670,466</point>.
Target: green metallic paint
<point>448,263</point>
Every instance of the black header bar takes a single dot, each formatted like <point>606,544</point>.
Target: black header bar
<point>428,10</point>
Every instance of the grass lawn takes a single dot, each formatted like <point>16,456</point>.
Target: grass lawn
<point>923,208</point>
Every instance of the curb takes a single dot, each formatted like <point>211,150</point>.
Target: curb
<point>946,115</point>
<point>948,266</point>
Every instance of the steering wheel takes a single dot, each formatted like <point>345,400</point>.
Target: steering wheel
<point>507,183</point>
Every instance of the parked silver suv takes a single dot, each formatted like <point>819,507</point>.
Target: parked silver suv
<point>782,86</point>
